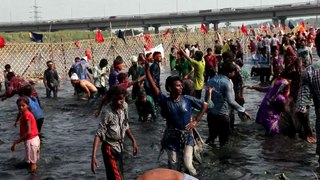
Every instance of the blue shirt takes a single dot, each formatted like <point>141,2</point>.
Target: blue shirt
<point>113,77</point>
<point>155,73</point>
<point>222,96</point>
<point>35,108</point>
<point>81,69</point>
<point>178,113</point>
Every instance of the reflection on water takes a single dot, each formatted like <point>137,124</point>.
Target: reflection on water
<point>69,129</point>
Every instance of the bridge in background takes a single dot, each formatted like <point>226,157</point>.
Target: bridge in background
<point>278,14</point>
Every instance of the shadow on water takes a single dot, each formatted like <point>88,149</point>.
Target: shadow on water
<point>69,129</point>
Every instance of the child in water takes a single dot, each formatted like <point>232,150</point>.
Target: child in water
<point>28,134</point>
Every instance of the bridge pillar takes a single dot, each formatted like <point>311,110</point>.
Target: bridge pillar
<point>215,25</point>
<point>145,29</point>
<point>156,28</point>
<point>282,20</point>
<point>275,21</point>
<point>207,26</point>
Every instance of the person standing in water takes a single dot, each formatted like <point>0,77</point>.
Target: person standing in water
<point>28,134</point>
<point>111,132</point>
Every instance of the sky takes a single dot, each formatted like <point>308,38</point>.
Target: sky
<point>13,11</point>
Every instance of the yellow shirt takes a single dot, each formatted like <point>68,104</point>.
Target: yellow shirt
<point>198,73</point>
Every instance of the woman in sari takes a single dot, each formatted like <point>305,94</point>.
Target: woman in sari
<point>274,103</point>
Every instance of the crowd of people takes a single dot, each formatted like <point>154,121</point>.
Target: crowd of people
<point>212,83</point>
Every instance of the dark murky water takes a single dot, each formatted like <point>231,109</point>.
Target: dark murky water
<point>69,130</point>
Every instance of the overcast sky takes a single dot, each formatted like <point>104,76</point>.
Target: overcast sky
<point>22,10</point>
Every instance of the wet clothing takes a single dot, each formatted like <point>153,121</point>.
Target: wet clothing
<point>32,149</point>
<point>219,126</point>
<point>113,126</point>
<point>51,79</point>
<point>310,88</point>
<point>176,139</point>
<point>218,116</point>
<point>178,113</point>
<point>111,131</point>
<point>135,72</point>
<point>146,108</point>
<point>25,117</point>
<point>82,69</point>
<point>16,86</point>
<point>112,161</point>
<point>272,105</point>
<point>223,96</point>
<point>37,112</point>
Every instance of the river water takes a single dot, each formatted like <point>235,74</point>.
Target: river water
<point>70,125</point>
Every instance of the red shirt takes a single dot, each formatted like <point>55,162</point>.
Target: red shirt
<point>27,116</point>
<point>16,85</point>
<point>211,62</point>
<point>126,85</point>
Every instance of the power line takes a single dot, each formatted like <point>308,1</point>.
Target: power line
<point>35,11</point>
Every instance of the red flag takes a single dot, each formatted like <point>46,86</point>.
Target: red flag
<point>149,45</point>
<point>2,43</point>
<point>203,28</point>
<point>76,43</point>
<point>265,29</point>
<point>99,37</point>
<point>166,33</point>
<point>302,24</point>
<point>88,54</point>
<point>283,26</point>
<point>244,30</point>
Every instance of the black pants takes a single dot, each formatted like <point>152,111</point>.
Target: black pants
<point>198,93</point>
<point>265,74</point>
<point>112,162</point>
<point>219,126</point>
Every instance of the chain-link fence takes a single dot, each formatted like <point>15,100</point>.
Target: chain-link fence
<point>29,59</point>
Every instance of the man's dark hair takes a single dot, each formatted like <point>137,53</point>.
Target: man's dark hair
<point>170,82</point>
<point>226,68</point>
<point>10,75</point>
<point>122,76</point>
<point>7,66</point>
<point>117,92</point>
<point>155,54</point>
<point>198,55</point>
<point>118,61</point>
<point>103,63</point>
<point>228,56</point>
<point>209,50</point>
<point>27,90</point>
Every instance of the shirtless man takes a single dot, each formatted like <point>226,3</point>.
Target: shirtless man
<point>84,85</point>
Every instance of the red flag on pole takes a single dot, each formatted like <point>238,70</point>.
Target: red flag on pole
<point>166,33</point>
<point>283,26</point>
<point>149,45</point>
<point>203,28</point>
<point>244,30</point>
<point>2,42</point>
<point>76,43</point>
<point>265,29</point>
<point>88,54</point>
<point>99,37</point>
